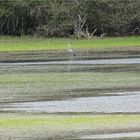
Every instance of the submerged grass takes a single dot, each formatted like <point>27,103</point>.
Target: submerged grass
<point>81,79</point>
<point>34,44</point>
<point>50,86</point>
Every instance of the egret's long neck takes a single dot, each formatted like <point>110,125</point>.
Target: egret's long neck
<point>69,46</point>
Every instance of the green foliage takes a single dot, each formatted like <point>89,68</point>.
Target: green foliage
<point>56,18</point>
<point>114,17</point>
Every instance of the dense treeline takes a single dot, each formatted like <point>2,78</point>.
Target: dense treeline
<point>65,18</point>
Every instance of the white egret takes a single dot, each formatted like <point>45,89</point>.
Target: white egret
<point>70,50</point>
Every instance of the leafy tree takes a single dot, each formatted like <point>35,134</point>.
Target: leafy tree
<point>63,18</point>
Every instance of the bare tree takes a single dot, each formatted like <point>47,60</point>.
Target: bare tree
<point>81,28</point>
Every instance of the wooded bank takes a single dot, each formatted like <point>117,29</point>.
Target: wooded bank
<point>70,18</point>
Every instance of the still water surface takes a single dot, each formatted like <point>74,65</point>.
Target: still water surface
<point>132,135</point>
<point>122,103</point>
<point>76,62</point>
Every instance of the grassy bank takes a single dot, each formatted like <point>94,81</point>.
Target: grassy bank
<point>60,126</point>
<point>34,44</point>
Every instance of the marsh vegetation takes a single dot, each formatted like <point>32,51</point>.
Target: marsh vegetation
<point>69,69</point>
<point>48,94</point>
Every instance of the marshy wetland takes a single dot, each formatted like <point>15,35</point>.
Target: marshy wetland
<point>48,94</point>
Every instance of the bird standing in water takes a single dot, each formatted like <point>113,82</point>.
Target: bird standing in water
<point>70,50</point>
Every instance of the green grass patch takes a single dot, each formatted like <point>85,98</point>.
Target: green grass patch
<point>50,120</point>
<point>45,126</point>
<point>34,44</point>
